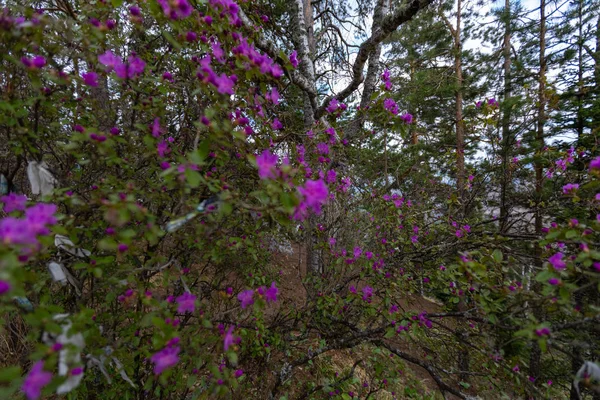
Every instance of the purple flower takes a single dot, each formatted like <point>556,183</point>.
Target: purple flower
<point>224,84</point>
<point>333,106</point>
<point>38,61</point>
<point>109,60</point>
<point>122,247</point>
<point>271,293</point>
<point>595,164</point>
<point>273,96</point>
<point>315,193</point>
<point>13,202</point>
<point>135,11</point>
<point>16,231</point>
<point>367,293</point>
<point>542,332</point>
<point>165,358</point>
<point>331,176</point>
<point>391,106</point>
<point>570,187</point>
<point>186,303</point>
<point>134,68</point>
<point>229,339</point>
<point>176,9</point>
<point>266,163</point>
<point>557,262</point>
<point>554,281</point>
<point>322,148</point>
<point>191,36</point>
<point>162,148</point>
<point>90,79</point>
<point>35,381</point>
<point>246,298</point>
<point>40,215</point>
<point>407,118</point>
<point>238,373</point>
<point>357,252</point>
<point>167,76</point>
<point>4,286</point>
<point>294,58</point>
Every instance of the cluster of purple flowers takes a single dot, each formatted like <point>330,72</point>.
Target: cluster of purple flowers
<point>133,68</point>
<point>385,77</point>
<point>176,9</point>
<point>167,357</point>
<point>37,62</point>
<point>24,231</point>
<point>246,297</point>
<point>261,61</point>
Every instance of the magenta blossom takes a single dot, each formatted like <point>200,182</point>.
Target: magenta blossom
<point>165,358</point>
<point>162,148</point>
<point>246,298</point>
<point>314,193</point>
<point>554,281</point>
<point>407,118</point>
<point>294,58</point>
<point>367,293</point>
<point>4,287</point>
<point>176,9</point>
<point>134,68</point>
<point>271,293</point>
<point>266,163</point>
<point>595,164</point>
<point>109,60</point>
<point>557,261</point>
<point>14,202</point>
<point>35,381</point>
<point>186,303</point>
<point>570,187</point>
<point>229,340</point>
<point>90,79</point>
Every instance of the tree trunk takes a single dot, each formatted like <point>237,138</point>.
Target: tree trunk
<point>460,127</point>
<point>580,120</point>
<point>535,356</point>
<point>506,142</point>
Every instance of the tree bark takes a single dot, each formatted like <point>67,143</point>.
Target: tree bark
<point>506,142</point>
<point>536,354</point>
<point>460,127</point>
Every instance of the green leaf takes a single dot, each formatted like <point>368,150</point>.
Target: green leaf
<point>571,234</point>
<point>9,374</point>
<point>497,255</point>
<point>192,177</point>
<point>171,39</point>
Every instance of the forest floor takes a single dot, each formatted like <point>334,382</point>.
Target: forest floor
<point>416,381</point>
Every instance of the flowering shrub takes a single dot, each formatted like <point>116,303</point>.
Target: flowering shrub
<point>156,134</point>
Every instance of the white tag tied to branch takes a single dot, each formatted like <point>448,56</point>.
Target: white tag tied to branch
<point>68,357</point>
<point>64,243</point>
<point>41,179</point>
<point>62,275</point>
<point>589,373</point>
<point>100,363</point>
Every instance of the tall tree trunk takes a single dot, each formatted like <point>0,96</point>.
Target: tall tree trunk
<point>460,127</point>
<point>535,356</point>
<point>596,115</point>
<point>506,142</point>
<point>579,124</point>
